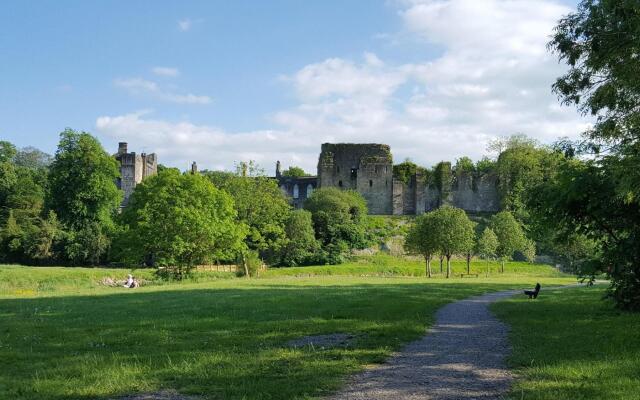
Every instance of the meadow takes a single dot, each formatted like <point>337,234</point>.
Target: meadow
<point>64,335</point>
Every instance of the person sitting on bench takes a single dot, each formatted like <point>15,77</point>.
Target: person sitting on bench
<point>533,294</point>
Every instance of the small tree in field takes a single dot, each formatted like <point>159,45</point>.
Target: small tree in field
<point>510,235</point>
<point>420,239</point>
<point>487,245</point>
<point>455,233</point>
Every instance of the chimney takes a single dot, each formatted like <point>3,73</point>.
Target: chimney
<point>122,148</point>
<point>278,173</point>
<point>194,168</point>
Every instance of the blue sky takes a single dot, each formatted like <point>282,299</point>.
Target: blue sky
<point>219,82</point>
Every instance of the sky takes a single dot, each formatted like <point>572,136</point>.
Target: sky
<point>218,82</point>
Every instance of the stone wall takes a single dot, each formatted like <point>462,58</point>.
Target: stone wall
<point>471,192</point>
<point>366,168</point>
<point>133,169</point>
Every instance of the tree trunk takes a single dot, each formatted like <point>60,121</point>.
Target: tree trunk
<point>245,266</point>
<point>441,259</point>
<point>502,265</point>
<point>428,261</point>
<point>448,266</point>
<point>468,263</point>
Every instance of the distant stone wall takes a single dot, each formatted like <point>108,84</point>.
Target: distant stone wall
<point>471,192</point>
<point>476,192</point>
<point>297,189</point>
<point>133,169</point>
<point>366,168</point>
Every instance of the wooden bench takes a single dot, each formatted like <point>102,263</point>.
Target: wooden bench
<point>533,294</point>
<point>463,275</point>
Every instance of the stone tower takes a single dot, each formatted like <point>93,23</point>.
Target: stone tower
<point>365,168</point>
<point>133,169</point>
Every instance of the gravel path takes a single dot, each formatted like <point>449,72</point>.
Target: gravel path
<point>462,356</point>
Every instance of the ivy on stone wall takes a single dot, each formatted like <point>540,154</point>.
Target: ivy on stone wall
<point>443,179</point>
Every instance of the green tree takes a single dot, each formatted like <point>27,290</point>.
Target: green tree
<point>464,164</point>
<point>301,245</point>
<point>30,157</point>
<point>83,194</point>
<point>421,239</point>
<point>600,42</point>
<point>177,221</point>
<point>294,172</point>
<point>260,205</point>
<point>510,235</point>
<point>455,233</point>
<point>339,221</point>
<point>487,245</point>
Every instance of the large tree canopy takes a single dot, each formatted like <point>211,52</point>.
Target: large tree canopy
<point>260,204</point>
<point>82,181</point>
<point>600,43</point>
<point>455,233</point>
<point>339,218</point>
<point>599,198</point>
<point>178,221</point>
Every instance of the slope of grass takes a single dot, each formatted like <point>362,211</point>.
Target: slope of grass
<point>386,265</point>
<point>223,338</point>
<point>570,344</point>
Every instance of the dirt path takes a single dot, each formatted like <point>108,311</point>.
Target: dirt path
<point>462,356</point>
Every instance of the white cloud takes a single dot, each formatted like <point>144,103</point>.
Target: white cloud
<point>185,24</point>
<point>492,77</point>
<point>165,71</point>
<point>179,143</point>
<point>138,86</point>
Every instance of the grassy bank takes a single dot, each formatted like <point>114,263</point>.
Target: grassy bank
<point>386,265</point>
<point>569,344</point>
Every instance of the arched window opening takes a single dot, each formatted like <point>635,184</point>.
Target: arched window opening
<point>309,190</point>
<point>296,191</point>
<point>370,183</point>
<point>340,183</point>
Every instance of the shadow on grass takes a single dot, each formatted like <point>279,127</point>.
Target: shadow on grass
<point>214,342</point>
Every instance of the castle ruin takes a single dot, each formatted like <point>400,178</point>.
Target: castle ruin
<point>133,169</point>
<point>368,169</point>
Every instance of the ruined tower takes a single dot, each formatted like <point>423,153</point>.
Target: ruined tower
<point>365,168</point>
<point>133,169</point>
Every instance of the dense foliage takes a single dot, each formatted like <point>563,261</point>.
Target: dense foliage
<point>178,221</point>
<point>407,169</point>
<point>599,198</point>
<point>301,246</point>
<point>294,172</point>
<point>260,205</point>
<point>422,239</point>
<point>339,221</point>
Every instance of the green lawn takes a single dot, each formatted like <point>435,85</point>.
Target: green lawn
<point>65,336</point>
<point>386,265</point>
<point>569,344</point>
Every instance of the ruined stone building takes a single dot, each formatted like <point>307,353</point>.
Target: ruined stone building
<point>133,169</point>
<point>368,169</point>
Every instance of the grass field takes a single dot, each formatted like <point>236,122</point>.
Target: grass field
<point>569,344</point>
<point>63,335</point>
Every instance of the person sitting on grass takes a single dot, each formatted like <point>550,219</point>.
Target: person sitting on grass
<point>131,282</point>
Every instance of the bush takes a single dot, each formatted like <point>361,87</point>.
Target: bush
<point>249,264</point>
<point>300,245</point>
